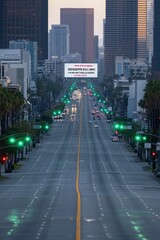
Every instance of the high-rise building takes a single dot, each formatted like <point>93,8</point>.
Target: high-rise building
<point>59,41</point>
<point>150,17</point>
<point>81,29</point>
<point>120,32</point>
<point>96,48</point>
<point>25,19</point>
<point>142,29</point>
<point>156,48</point>
<point>31,47</point>
<point>125,31</point>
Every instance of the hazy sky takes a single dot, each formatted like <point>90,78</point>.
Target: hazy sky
<point>98,5</point>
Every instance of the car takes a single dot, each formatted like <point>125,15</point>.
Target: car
<point>95,126</point>
<point>115,139</point>
<point>108,120</point>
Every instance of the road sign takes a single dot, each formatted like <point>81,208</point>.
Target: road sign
<point>158,146</point>
<point>129,127</point>
<point>147,145</point>
<point>37,127</point>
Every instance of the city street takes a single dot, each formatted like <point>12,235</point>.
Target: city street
<point>77,184</point>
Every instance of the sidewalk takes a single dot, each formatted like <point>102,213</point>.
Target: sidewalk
<point>145,165</point>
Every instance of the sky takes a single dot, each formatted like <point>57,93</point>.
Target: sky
<point>99,11</point>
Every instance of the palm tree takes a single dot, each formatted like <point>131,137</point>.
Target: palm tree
<point>10,104</point>
<point>151,102</point>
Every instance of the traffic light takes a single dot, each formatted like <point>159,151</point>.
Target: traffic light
<point>144,138</point>
<point>3,158</point>
<point>27,139</point>
<point>140,138</point>
<point>12,140</point>
<point>153,154</point>
<point>116,126</point>
<point>119,126</point>
<point>46,127</point>
<point>20,143</point>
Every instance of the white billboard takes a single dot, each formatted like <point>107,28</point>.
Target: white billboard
<point>10,55</point>
<point>80,70</point>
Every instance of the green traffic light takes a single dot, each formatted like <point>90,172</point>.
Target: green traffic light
<point>54,113</point>
<point>144,138</point>
<point>27,139</point>
<point>12,140</point>
<point>116,126</point>
<point>138,138</point>
<point>20,143</point>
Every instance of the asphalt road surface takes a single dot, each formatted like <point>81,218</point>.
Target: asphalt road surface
<point>79,185</point>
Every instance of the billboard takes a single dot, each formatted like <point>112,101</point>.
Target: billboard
<point>10,55</point>
<point>80,70</point>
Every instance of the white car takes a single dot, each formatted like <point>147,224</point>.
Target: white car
<point>95,126</point>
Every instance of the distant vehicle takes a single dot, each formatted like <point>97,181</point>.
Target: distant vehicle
<point>108,120</point>
<point>90,121</point>
<point>95,126</point>
<point>115,139</point>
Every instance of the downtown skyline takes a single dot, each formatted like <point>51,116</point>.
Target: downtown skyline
<point>99,12</point>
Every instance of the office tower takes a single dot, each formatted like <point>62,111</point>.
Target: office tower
<point>125,31</point>
<point>31,47</point>
<point>156,44</point>
<point>59,40</point>
<point>25,19</point>
<point>121,35</point>
<point>96,48</point>
<point>150,17</point>
<point>81,29</point>
<point>142,29</point>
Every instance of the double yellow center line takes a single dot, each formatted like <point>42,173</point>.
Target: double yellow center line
<point>78,219</point>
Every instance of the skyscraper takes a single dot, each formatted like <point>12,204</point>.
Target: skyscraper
<point>142,29</point>
<point>156,48</point>
<point>150,17</point>
<point>125,31</point>
<point>81,29</point>
<point>25,19</point>
<point>31,47</point>
<point>59,40</point>
<point>96,48</point>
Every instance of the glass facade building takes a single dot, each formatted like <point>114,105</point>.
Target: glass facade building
<point>142,29</point>
<point>150,17</point>
<point>27,20</point>
<point>31,47</point>
<point>81,30</point>
<point>121,34</point>
<point>59,41</point>
<point>156,44</point>
<point>125,31</point>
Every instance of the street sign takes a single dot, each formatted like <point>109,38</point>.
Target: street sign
<point>147,145</point>
<point>37,127</point>
<point>158,146</point>
<point>129,127</point>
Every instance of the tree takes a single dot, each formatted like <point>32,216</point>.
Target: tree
<point>151,102</point>
<point>10,104</point>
